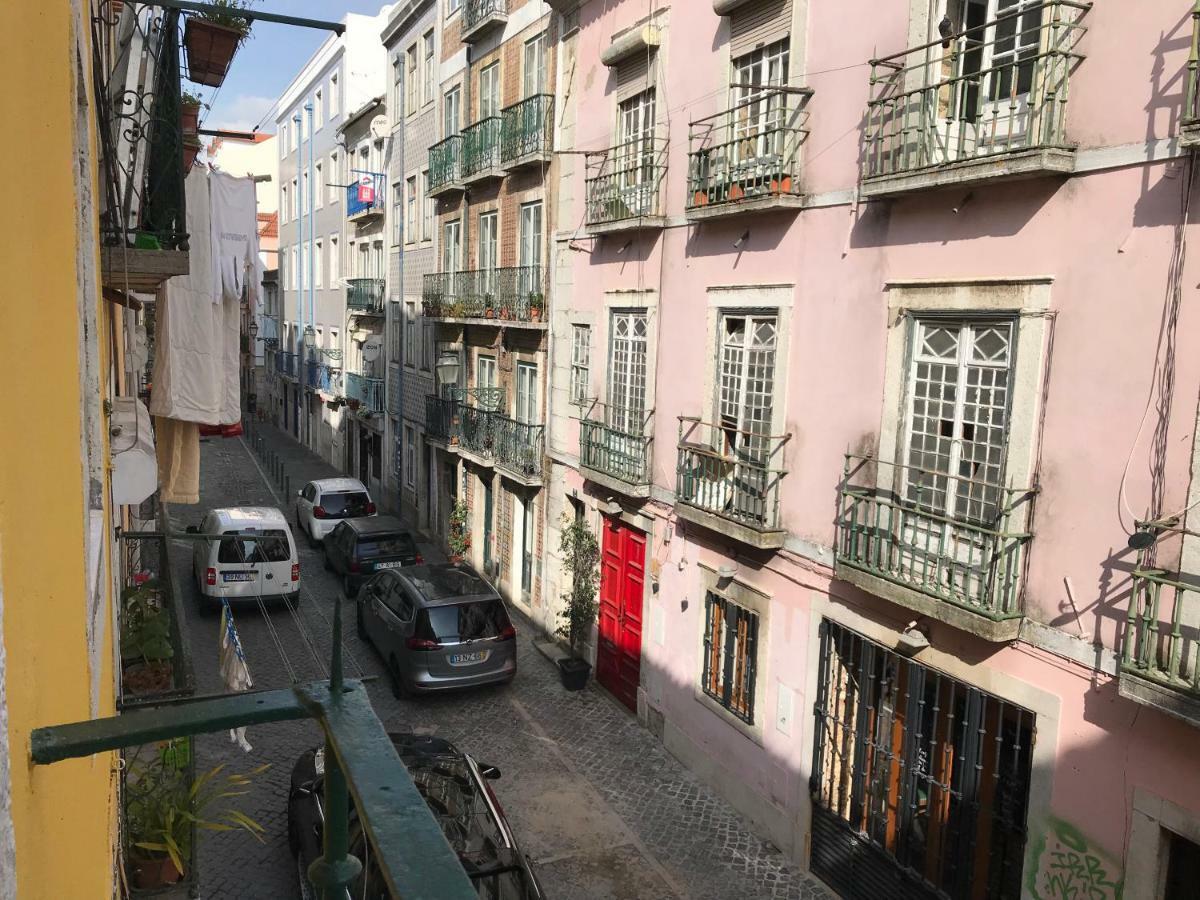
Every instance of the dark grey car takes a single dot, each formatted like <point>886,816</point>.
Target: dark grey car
<point>437,627</point>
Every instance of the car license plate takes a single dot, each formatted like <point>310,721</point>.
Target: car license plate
<point>393,564</point>
<point>468,659</point>
<point>237,576</point>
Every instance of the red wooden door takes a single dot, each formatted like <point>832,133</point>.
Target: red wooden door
<point>622,575</point>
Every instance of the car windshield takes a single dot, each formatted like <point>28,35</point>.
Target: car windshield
<point>345,503</point>
<point>271,546</point>
<point>370,546</point>
<point>463,621</point>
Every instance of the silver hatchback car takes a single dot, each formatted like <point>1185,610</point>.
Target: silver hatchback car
<point>437,627</point>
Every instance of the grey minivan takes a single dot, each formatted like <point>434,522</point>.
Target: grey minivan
<point>437,627</point>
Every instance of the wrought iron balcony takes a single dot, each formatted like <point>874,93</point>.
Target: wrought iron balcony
<point>748,156</point>
<point>143,220</point>
<point>481,16</point>
<point>949,547</point>
<point>1189,121</point>
<point>481,151</point>
<point>491,438</point>
<point>285,363</point>
<point>526,132</point>
<point>515,294</point>
<point>476,431</point>
<point>623,186</point>
<point>490,398</point>
<point>364,296</point>
<point>614,448</point>
<point>440,419</point>
<point>518,448</point>
<point>358,208</point>
<point>728,480</point>
<point>323,377</point>
<point>986,102</point>
<point>445,166</point>
<point>1159,652</point>
<point>363,391</point>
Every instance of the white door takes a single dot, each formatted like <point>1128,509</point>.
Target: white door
<point>530,249</point>
<point>527,405</point>
<point>451,112</point>
<point>535,66</point>
<point>488,255</point>
<point>489,91</point>
<point>745,407</point>
<point>757,136</point>
<point>635,154</point>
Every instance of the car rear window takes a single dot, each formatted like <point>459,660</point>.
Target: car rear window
<point>371,546</point>
<point>272,546</point>
<point>346,504</point>
<point>463,621</point>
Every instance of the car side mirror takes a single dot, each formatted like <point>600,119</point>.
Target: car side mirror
<point>193,529</point>
<point>300,493</point>
<point>491,773</point>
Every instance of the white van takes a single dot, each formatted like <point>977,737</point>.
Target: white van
<point>262,563</point>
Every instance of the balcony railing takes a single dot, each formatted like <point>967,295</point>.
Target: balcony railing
<point>285,363</point>
<point>624,183</point>
<point>323,377</point>
<point>1190,118</point>
<point>526,130</point>
<point>364,390</point>
<point>1162,639</point>
<point>519,447</point>
<point>356,206</point>
<point>616,444</point>
<point>893,524</point>
<point>490,398</point>
<point>440,416</point>
<point>476,430</point>
<point>365,295</point>
<point>516,447</point>
<point>749,151</point>
<point>479,15</point>
<point>515,294</point>
<point>481,148</point>
<point>445,164</point>
<point>989,90</point>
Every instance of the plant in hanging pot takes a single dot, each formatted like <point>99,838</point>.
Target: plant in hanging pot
<point>459,539</point>
<point>191,149</point>
<point>189,112</point>
<point>212,37</point>
<point>581,557</point>
<point>146,649</point>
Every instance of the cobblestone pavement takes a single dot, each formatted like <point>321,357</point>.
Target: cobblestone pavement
<point>596,801</point>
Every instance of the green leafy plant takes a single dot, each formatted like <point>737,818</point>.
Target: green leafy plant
<point>459,538</point>
<point>225,13</point>
<point>189,99</point>
<point>537,303</point>
<point>581,560</point>
<point>145,625</point>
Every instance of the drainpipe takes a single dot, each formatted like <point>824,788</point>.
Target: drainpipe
<point>398,440</point>
<point>312,262</point>
<point>298,346</point>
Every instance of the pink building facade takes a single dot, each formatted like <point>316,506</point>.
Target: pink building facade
<point>871,349</point>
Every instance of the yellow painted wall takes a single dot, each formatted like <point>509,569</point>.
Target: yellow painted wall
<point>63,815</point>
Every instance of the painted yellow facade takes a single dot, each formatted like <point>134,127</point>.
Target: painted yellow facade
<point>64,815</point>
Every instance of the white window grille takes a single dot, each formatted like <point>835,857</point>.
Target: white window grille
<point>636,153</point>
<point>627,369</point>
<point>581,362</point>
<point>747,383</point>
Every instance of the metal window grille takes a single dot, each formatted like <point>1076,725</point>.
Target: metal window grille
<point>637,154</point>
<point>581,362</point>
<point>730,655</point>
<point>920,781</point>
<point>627,370</point>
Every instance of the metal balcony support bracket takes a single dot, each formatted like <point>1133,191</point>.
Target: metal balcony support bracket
<point>253,15</point>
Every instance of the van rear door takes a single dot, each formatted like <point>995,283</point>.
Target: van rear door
<point>252,563</point>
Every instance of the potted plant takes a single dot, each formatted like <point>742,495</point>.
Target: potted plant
<point>146,649</point>
<point>353,403</point>
<point>189,112</point>
<point>581,557</point>
<point>191,149</point>
<point>212,37</point>
<point>459,539</point>
<point>537,305</point>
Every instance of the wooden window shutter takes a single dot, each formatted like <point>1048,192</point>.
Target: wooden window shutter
<point>634,75</point>
<point>758,23</point>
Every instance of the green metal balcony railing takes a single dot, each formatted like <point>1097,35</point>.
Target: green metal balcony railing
<point>990,89</point>
<point>365,390</point>
<point>513,294</point>
<point>440,416</point>
<point>526,129</point>
<point>365,295</point>
<point>625,181</point>
<point>616,442</point>
<point>481,147</point>
<point>1162,640</point>
<point>476,430</point>
<point>518,446</point>
<point>730,473</point>
<point>894,525</point>
<point>476,13</point>
<point>445,163</point>
<point>1190,117</point>
<point>750,150</point>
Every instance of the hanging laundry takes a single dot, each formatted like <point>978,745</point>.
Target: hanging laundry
<point>177,448</point>
<point>234,671</point>
<point>234,226</point>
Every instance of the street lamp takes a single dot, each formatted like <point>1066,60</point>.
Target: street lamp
<point>310,338</point>
<point>253,329</point>
<point>447,370</point>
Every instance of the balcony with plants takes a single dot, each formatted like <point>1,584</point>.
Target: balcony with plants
<point>364,393</point>
<point>489,437</point>
<point>614,448</point>
<point>747,158</point>
<point>950,547</point>
<point>479,17</point>
<point>1189,120</point>
<point>445,166</point>
<point>623,187</point>
<point>526,132</point>
<point>481,151</point>
<point>511,295</point>
<point>981,102</point>
<point>365,296</point>
<point>727,480</point>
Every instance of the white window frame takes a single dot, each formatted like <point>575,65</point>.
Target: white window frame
<point>318,185</point>
<point>335,98</point>
<point>398,235</point>
<point>453,7</point>
<point>410,456</point>
<point>294,267</point>
<point>452,103</point>
<point>429,57</point>
<point>452,246</point>
<point>283,206</point>
<point>536,45</point>
<point>410,209</point>
<point>628,368</point>
<point>412,79</point>
<point>581,363</point>
<point>335,179</point>
<point>410,333</point>
<point>527,408</point>
<point>485,371</point>
<point>489,90</point>
<point>318,110</point>
<point>335,261</point>
<point>318,275</point>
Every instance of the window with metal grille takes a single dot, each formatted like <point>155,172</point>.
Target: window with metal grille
<point>759,117</point>
<point>747,383</point>
<point>581,362</point>
<point>920,781</point>
<point>627,369</point>
<point>730,655</point>
<point>956,427</point>
<point>635,161</point>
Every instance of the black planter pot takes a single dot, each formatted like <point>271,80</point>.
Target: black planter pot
<point>574,673</point>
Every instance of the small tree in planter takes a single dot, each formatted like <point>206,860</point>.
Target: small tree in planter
<point>459,538</point>
<point>581,558</point>
<point>146,649</point>
<point>212,38</point>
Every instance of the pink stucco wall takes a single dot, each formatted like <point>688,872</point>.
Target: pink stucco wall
<point>1107,238</point>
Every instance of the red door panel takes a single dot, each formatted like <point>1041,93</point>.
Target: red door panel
<point>622,577</point>
<point>610,605</point>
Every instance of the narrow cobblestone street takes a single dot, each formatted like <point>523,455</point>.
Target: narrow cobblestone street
<point>596,801</point>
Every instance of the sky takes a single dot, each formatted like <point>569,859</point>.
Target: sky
<point>267,61</point>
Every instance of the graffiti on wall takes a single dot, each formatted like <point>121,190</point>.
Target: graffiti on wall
<point>1069,867</point>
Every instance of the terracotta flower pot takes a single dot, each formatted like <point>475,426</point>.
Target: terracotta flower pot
<point>700,198</point>
<point>736,192</point>
<point>154,872</point>
<point>189,117</point>
<point>210,48</point>
<point>191,149</point>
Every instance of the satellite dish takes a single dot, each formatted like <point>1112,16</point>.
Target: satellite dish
<point>379,126</point>
<point>372,347</point>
